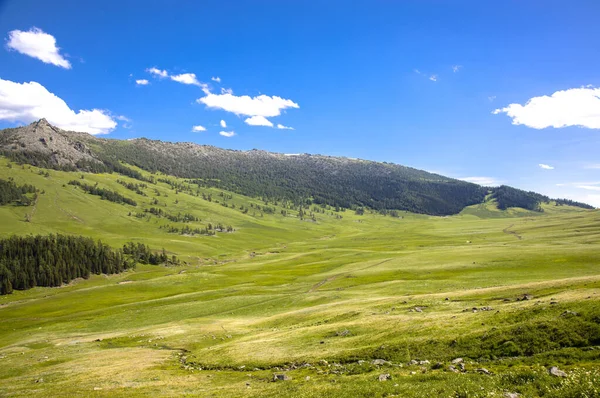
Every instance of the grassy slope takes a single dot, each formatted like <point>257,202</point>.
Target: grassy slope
<point>307,283</point>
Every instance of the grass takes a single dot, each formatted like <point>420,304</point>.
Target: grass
<point>280,292</point>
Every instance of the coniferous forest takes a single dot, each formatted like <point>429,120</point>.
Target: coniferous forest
<point>13,193</point>
<point>52,260</point>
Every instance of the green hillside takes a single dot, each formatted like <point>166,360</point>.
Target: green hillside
<point>317,295</point>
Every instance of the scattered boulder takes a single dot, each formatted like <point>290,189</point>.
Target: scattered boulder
<point>462,368</point>
<point>380,362</point>
<point>451,368</point>
<point>511,395</point>
<point>525,297</point>
<point>281,377</point>
<point>457,361</point>
<point>413,362</point>
<point>554,371</point>
<point>384,377</point>
<point>425,362</point>
<point>484,371</point>
<point>569,313</point>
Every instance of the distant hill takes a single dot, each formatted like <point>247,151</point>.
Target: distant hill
<point>335,181</point>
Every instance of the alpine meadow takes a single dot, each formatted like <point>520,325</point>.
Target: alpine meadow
<point>140,258</point>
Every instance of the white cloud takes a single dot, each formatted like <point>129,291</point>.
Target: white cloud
<point>27,102</point>
<point>433,78</point>
<point>258,121</point>
<point>198,128</point>
<point>589,187</point>
<point>487,181</point>
<point>226,90</point>
<point>282,127</point>
<point>37,44</point>
<point>261,105</point>
<point>572,107</point>
<point>187,78</point>
<point>227,133</point>
<point>141,82</point>
<point>157,72</point>
<point>546,166</point>
<point>223,124</point>
<point>592,166</point>
<point>418,72</point>
<point>216,79</point>
<point>123,118</point>
<point>456,68</point>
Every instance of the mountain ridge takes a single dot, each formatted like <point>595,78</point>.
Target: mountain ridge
<point>300,178</point>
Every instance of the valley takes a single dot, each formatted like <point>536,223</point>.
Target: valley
<point>332,301</point>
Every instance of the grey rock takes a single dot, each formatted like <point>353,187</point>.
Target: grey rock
<point>554,371</point>
<point>384,377</point>
<point>511,395</point>
<point>425,362</point>
<point>281,377</point>
<point>457,360</point>
<point>484,371</point>
<point>380,362</point>
<point>413,362</point>
<point>569,313</point>
<point>451,368</point>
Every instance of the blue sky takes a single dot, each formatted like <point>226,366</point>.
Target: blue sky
<point>410,82</point>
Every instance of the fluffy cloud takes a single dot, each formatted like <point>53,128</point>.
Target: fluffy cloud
<point>546,167</point>
<point>487,181</point>
<point>187,78</point>
<point>216,79</point>
<point>157,72</point>
<point>589,187</point>
<point>223,124</point>
<point>573,107</point>
<point>27,102</point>
<point>258,121</point>
<point>37,44</point>
<point>261,105</point>
<point>282,127</point>
<point>227,133</point>
<point>141,82</point>
<point>456,68</point>
<point>433,78</point>
<point>198,128</point>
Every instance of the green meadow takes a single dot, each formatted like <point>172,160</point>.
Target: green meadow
<point>332,303</point>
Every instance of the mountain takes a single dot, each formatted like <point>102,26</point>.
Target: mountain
<point>335,181</point>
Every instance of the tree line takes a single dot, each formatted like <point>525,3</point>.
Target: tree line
<point>107,194</point>
<point>51,260</point>
<point>10,192</point>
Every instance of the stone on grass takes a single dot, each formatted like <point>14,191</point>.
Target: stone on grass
<point>281,377</point>
<point>457,360</point>
<point>384,377</point>
<point>379,362</point>
<point>554,371</point>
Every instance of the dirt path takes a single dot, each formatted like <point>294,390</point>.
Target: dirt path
<point>29,217</point>
<point>506,231</point>
<point>331,278</point>
<point>66,211</point>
